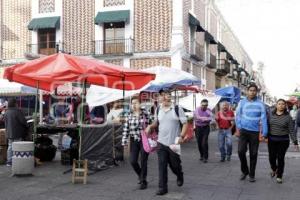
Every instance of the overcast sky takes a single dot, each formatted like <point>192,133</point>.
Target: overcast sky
<point>269,30</point>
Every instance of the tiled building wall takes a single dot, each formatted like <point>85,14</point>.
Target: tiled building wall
<point>213,24</point>
<point>78,26</point>
<point>187,6</point>
<point>108,3</point>
<point>210,80</point>
<point>186,66</point>
<point>197,71</point>
<point>14,35</point>
<point>153,23</point>
<point>46,6</point>
<point>199,10</point>
<point>1,12</point>
<point>150,62</point>
<point>115,62</point>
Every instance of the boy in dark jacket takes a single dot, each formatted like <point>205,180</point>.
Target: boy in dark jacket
<point>15,125</point>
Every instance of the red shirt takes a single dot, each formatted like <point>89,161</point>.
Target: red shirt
<point>224,119</point>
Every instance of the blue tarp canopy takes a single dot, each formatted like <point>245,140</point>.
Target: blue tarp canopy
<point>231,94</point>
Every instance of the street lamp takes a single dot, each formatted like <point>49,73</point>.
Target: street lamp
<point>239,72</point>
<point>263,96</point>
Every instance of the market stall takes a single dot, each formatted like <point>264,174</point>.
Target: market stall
<point>49,72</point>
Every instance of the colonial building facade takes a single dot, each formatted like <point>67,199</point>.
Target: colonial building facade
<point>190,35</point>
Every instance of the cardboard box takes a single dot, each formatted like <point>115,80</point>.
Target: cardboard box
<point>3,152</point>
<point>3,140</point>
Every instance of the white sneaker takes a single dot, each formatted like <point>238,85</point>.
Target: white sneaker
<point>279,180</point>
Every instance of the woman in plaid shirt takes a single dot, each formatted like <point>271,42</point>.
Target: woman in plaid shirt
<point>136,121</point>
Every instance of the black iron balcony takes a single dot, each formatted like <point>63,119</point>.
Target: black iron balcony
<point>223,67</point>
<point>212,61</point>
<point>244,82</point>
<point>113,47</point>
<point>196,51</point>
<point>44,48</point>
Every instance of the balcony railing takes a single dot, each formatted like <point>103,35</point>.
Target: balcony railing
<point>197,51</point>
<point>223,67</point>
<point>44,48</point>
<point>113,47</point>
<point>212,61</point>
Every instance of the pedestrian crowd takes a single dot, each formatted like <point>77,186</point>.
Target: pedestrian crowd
<point>249,121</point>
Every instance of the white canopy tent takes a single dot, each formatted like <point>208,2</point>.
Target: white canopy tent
<point>15,89</point>
<point>188,101</point>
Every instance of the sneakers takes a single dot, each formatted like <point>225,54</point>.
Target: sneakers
<point>228,158</point>
<point>222,160</point>
<point>143,185</point>
<point>252,179</point>
<point>8,165</point>
<point>272,174</point>
<point>180,180</point>
<point>243,177</point>
<point>279,180</point>
<point>161,192</point>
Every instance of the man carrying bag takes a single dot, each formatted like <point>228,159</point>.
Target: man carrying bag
<point>169,129</point>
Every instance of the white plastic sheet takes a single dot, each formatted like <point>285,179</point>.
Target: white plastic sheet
<point>188,101</point>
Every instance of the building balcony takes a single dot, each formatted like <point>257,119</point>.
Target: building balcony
<point>223,67</point>
<point>212,62</point>
<point>44,48</point>
<point>114,47</point>
<point>244,82</point>
<point>196,51</point>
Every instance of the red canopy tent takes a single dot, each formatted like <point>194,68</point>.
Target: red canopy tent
<point>49,72</point>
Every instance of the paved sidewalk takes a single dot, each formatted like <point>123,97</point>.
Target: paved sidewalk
<point>213,180</point>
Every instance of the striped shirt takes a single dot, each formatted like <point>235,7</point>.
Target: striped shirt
<point>281,127</point>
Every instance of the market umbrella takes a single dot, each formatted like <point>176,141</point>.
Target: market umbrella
<point>170,78</point>
<point>295,94</point>
<point>231,94</point>
<point>48,72</point>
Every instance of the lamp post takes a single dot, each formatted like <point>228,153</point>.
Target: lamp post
<point>263,96</point>
<point>239,72</point>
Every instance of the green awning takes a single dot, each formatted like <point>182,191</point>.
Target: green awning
<point>112,16</point>
<point>229,56</point>
<point>43,23</point>
<point>234,61</point>
<point>209,38</point>
<point>221,47</point>
<point>193,21</point>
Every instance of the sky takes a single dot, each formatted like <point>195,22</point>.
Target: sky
<point>269,31</point>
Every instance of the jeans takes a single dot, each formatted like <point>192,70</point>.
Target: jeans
<point>251,138</point>
<point>167,156</point>
<point>202,133</point>
<point>277,150</point>
<point>9,150</point>
<point>225,137</point>
<point>136,148</point>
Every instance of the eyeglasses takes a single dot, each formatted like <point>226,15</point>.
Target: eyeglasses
<point>204,105</point>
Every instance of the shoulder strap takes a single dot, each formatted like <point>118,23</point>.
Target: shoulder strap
<point>177,113</point>
<point>177,110</point>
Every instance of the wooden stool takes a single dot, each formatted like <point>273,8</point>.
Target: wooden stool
<point>79,171</point>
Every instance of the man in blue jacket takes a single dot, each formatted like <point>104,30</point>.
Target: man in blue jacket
<point>250,119</point>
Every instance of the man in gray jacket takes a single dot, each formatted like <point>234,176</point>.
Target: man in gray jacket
<point>15,125</point>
